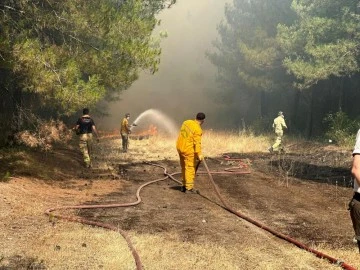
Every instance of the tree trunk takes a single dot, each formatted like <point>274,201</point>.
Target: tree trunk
<point>7,106</point>
<point>295,107</point>
<point>263,104</point>
<point>341,94</point>
<point>310,117</point>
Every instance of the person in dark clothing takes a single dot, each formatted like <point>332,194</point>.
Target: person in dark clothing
<point>85,127</point>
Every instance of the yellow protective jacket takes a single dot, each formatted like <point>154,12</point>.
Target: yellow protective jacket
<point>279,124</point>
<point>189,140</point>
<point>124,129</point>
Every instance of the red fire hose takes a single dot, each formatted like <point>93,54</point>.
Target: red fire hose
<point>104,225</point>
<point>242,167</point>
<point>171,176</point>
<point>263,226</point>
<point>278,234</point>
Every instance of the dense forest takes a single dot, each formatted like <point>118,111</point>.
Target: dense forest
<point>298,56</point>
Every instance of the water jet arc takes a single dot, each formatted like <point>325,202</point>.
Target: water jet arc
<point>154,116</point>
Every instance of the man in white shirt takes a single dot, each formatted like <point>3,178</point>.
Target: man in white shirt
<point>354,205</point>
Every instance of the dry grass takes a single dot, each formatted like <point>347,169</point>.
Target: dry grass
<point>217,143</point>
<point>261,252</point>
<point>94,248</point>
<point>27,232</point>
<point>213,144</point>
<point>75,246</point>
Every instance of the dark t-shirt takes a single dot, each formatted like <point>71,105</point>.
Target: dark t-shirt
<point>85,124</point>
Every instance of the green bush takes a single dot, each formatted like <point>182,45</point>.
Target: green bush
<point>6,177</point>
<point>341,129</point>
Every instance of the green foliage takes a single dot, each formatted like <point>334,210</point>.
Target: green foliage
<point>248,56</point>
<point>248,42</point>
<point>74,53</point>
<point>6,177</point>
<point>323,42</point>
<point>341,129</point>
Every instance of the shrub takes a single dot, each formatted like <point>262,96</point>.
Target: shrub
<point>6,177</point>
<point>44,135</point>
<point>341,129</point>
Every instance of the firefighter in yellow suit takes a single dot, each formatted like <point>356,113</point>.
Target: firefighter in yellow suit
<point>278,126</point>
<point>188,146</point>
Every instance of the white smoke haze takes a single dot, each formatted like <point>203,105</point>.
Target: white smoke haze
<point>180,88</point>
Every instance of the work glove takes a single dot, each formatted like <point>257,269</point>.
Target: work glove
<point>200,157</point>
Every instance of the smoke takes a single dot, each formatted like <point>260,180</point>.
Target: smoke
<point>181,87</point>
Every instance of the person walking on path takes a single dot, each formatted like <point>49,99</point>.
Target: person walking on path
<point>188,146</point>
<point>278,126</point>
<point>125,130</point>
<point>85,127</point>
<point>354,205</point>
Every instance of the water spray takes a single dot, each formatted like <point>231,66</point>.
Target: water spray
<point>158,118</point>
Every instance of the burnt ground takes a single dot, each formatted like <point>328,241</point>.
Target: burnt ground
<point>304,200</point>
<point>301,195</point>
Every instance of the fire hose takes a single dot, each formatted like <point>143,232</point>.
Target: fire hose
<point>136,256</point>
<point>278,234</point>
<point>261,225</point>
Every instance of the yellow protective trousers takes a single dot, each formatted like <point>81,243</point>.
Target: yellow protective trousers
<point>188,164</point>
<point>85,144</point>
<point>278,141</point>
